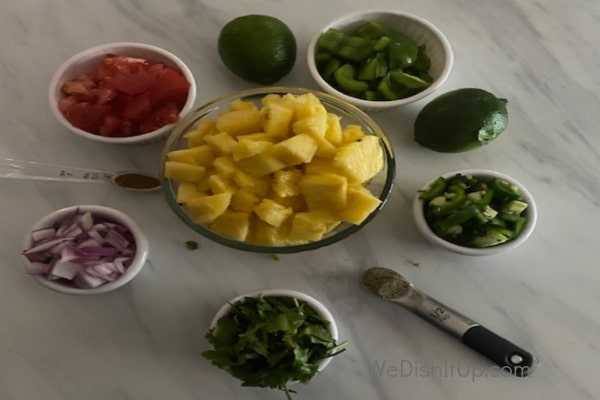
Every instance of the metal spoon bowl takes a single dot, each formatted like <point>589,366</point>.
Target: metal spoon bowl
<point>17,169</point>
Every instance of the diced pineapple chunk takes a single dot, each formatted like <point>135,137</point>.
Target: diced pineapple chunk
<point>254,136</point>
<point>232,224</point>
<point>258,186</point>
<point>322,166</point>
<point>361,203</point>
<point>261,164</point>
<point>272,212</point>
<point>296,203</point>
<point>314,125</point>
<point>306,105</point>
<point>265,234</point>
<point>325,192</point>
<point>220,184</point>
<point>333,133</point>
<point>206,209</point>
<point>360,161</point>
<point>307,227</point>
<point>249,148</point>
<point>204,127</point>
<point>224,166</point>
<point>278,119</point>
<point>185,190</point>
<point>286,182</point>
<point>222,142</point>
<point>184,172</point>
<point>199,155</point>
<point>352,133</point>
<point>296,150</point>
<point>244,200</point>
<point>240,122</point>
<point>239,104</point>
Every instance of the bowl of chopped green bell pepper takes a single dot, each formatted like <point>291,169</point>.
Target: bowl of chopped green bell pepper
<point>380,59</point>
<point>475,212</point>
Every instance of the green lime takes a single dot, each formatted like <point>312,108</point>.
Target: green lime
<point>461,120</point>
<point>257,48</point>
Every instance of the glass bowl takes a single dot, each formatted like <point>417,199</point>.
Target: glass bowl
<point>380,185</point>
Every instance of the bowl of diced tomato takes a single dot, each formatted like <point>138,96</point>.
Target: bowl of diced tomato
<point>122,93</point>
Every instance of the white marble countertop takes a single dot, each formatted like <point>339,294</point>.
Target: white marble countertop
<point>143,341</point>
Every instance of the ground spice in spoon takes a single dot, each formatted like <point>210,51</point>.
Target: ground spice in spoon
<point>386,283</point>
<point>132,180</point>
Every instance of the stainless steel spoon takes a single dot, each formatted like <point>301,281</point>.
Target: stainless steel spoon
<point>17,169</point>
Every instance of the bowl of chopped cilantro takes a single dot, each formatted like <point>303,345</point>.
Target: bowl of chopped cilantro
<point>273,338</point>
<point>379,59</point>
<point>475,212</point>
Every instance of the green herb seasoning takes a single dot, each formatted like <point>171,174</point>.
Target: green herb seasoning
<point>271,341</point>
<point>191,245</point>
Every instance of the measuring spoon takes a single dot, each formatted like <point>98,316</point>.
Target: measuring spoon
<point>17,169</point>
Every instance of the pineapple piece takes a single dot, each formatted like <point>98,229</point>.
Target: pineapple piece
<point>261,165</point>
<point>296,203</point>
<point>259,186</point>
<point>296,150</point>
<point>265,234</point>
<point>278,119</point>
<point>219,184</point>
<point>185,190</point>
<point>204,127</point>
<point>240,122</point>
<point>224,166</point>
<point>306,105</point>
<point>360,161</point>
<point>315,125</point>
<point>322,166</point>
<point>184,172</point>
<point>199,155</point>
<point>270,98</point>
<point>239,104</point>
<point>272,212</point>
<point>361,203</point>
<point>286,182</point>
<point>205,209</point>
<point>244,200</point>
<point>306,227</point>
<point>222,142</point>
<point>254,136</point>
<point>325,192</point>
<point>352,133</point>
<point>333,133</point>
<point>324,149</point>
<point>249,148</point>
<point>232,224</point>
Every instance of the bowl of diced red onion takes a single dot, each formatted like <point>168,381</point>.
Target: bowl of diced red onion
<point>85,249</point>
<point>122,93</point>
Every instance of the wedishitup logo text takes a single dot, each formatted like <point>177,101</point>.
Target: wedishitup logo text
<point>445,369</point>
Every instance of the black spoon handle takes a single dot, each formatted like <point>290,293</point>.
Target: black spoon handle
<point>507,355</point>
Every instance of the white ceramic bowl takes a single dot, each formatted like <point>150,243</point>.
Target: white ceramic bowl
<point>139,259</point>
<point>311,301</point>
<point>531,213</point>
<point>422,31</point>
<point>86,61</point>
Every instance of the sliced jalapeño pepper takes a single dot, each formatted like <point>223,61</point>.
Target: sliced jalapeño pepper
<point>436,188</point>
<point>455,202</point>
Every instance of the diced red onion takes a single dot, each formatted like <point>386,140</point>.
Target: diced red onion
<point>85,250</point>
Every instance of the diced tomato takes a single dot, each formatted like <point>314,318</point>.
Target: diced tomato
<point>86,116</point>
<point>137,109</point>
<point>124,96</point>
<point>168,113</point>
<point>111,126</point>
<point>112,65</point>
<point>66,102</point>
<point>134,83</point>
<point>169,86</point>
